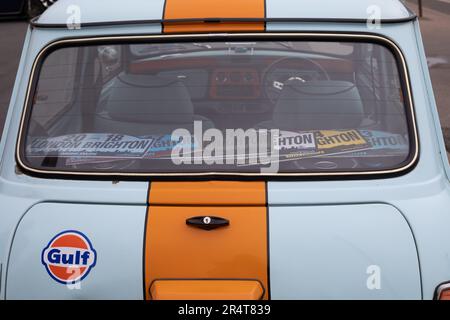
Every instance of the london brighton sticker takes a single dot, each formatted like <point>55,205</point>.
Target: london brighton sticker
<point>69,257</point>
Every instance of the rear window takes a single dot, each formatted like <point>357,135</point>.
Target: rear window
<point>222,107</point>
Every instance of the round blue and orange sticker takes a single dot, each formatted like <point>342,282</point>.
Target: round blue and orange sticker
<point>69,257</point>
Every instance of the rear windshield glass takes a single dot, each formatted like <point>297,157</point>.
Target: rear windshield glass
<point>218,107</point>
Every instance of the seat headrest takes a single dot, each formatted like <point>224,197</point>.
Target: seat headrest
<point>147,98</point>
<point>317,105</point>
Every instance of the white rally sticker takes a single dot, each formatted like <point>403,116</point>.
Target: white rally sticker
<point>289,140</point>
<point>90,145</point>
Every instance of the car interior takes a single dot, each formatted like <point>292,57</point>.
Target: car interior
<point>153,89</point>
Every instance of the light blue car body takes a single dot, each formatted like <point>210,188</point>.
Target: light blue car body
<point>324,236</point>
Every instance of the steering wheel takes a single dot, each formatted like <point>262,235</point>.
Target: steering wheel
<point>281,70</point>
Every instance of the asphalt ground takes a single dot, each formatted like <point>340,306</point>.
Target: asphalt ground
<point>437,5</point>
<point>12,34</point>
<point>435,28</point>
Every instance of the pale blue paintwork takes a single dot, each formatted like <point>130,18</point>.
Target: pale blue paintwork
<point>18,192</point>
<point>325,252</point>
<point>115,232</point>
<point>104,10</point>
<point>422,196</point>
<point>331,9</point>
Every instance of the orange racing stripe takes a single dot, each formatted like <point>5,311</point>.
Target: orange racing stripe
<point>193,9</point>
<point>174,250</point>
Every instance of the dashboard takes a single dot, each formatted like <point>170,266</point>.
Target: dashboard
<point>243,85</point>
<point>235,83</point>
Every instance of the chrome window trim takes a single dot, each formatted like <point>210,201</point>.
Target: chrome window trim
<point>440,289</point>
<point>295,35</point>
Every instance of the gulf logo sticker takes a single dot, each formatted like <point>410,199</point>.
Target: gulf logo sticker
<point>69,257</point>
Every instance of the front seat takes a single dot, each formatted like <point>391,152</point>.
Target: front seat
<point>146,105</point>
<point>317,105</point>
